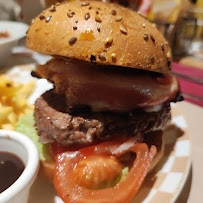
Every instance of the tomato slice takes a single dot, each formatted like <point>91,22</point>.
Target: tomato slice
<point>70,190</point>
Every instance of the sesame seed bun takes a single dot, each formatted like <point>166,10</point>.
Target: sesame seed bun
<point>100,32</point>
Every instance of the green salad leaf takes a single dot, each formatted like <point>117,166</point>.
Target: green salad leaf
<point>25,125</point>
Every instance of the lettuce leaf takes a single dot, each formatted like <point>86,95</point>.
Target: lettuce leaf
<point>25,125</point>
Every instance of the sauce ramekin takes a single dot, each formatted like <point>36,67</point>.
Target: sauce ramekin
<point>22,146</point>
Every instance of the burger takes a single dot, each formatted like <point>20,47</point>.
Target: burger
<point>110,103</point>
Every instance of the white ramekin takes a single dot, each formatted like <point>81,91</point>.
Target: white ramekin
<point>24,148</point>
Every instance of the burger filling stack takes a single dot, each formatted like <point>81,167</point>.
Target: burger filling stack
<point>111,99</point>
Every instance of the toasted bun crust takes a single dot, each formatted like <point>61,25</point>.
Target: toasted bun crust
<point>46,170</point>
<point>47,167</point>
<point>100,32</point>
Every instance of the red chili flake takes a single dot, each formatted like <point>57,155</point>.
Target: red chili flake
<point>97,12</point>
<point>76,21</point>
<point>113,12</point>
<point>85,4</point>
<point>48,19</point>
<point>90,7</point>
<point>75,27</point>
<point>87,16</point>
<point>73,13</point>
<point>98,29</point>
<point>41,17</point>
<point>72,40</point>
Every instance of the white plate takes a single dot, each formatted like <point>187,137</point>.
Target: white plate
<point>164,184</point>
<point>16,31</point>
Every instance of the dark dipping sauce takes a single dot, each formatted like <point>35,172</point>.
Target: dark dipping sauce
<point>11,167</point>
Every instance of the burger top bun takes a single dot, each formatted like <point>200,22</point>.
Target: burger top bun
<point>100,32</point>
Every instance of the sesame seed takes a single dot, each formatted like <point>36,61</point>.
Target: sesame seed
<point>87,16</point>
<point>48,19</point>
<point>146,37</point>
<point>141,14</point>
<point>99,8</point>
<point>113,55</point>
<point>113,12</point>
<point>72,40</point>
<point>153,24</point>
<point>109,40</point>
<point>98,19</point>
<point>69,9</point>
<point>57,4</point>
<point>139,52</point>
<point>92,58</point>
<point>102,57</point>
<point>162,46</point>
<point>53,9</point>
<point>75,27</point>
<point>119,18</point>
<point>85,4</point>
<point>123,29</point>
<point>143,25</point>
<point>97,12</point>
<point>98,29</point>
<point>41,17</point>
<point>70,15</point>
<point>152,37</point>
<point>168,55</point>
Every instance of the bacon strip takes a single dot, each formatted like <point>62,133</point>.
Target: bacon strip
<point>109,88</point>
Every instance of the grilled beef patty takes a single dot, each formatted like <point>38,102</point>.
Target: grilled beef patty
<point>55,124</point>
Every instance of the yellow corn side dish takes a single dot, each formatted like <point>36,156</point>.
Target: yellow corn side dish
<point>13,101</point>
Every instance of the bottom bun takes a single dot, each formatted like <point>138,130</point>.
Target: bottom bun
<point>46,170</point>
<point>155,138</point>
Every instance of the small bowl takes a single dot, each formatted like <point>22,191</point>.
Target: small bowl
<point>20,145</point>
<point>16,31</point>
